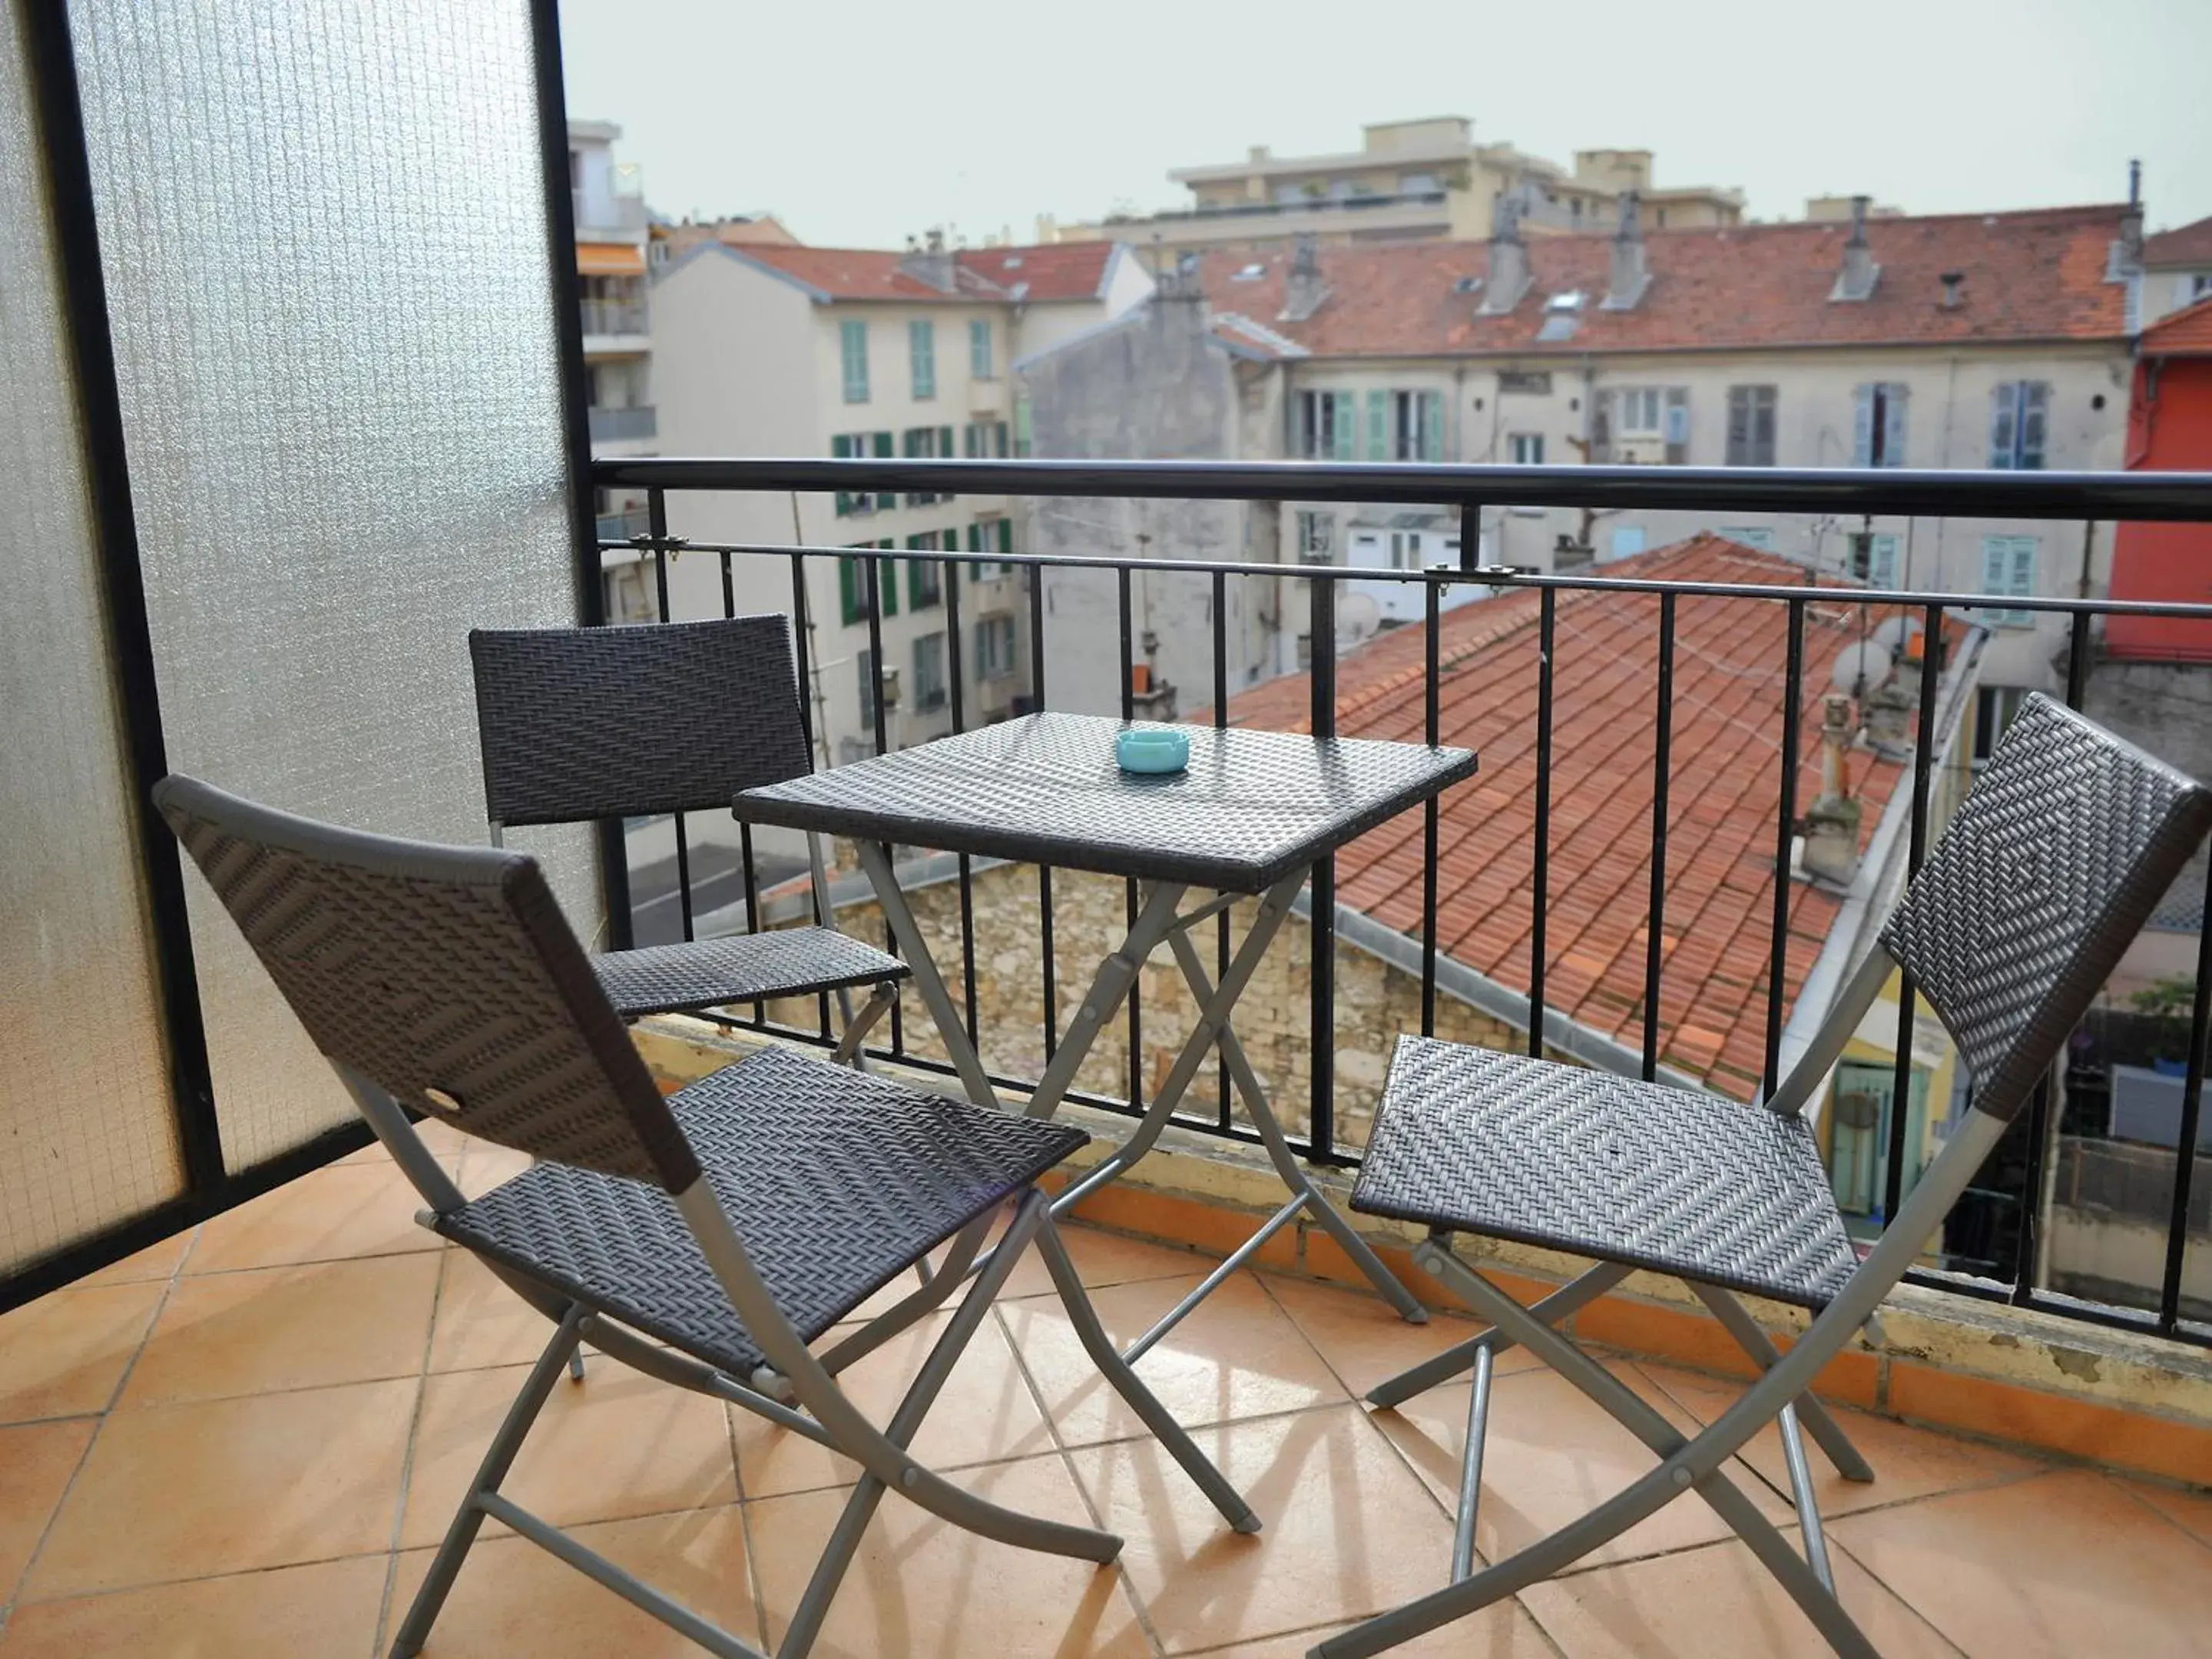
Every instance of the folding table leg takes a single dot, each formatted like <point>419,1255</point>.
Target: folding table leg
<point>927,979</point>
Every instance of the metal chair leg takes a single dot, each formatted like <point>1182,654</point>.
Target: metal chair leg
<point>1442,1367</point>
<point>1737,1320</point>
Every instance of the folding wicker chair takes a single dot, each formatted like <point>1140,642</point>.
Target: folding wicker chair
<point>581,723</point>
<point>2046,873</point>
<point>735,1221</point>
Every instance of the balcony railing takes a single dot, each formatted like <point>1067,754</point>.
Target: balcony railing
<point>605,317</point>
<point>1997,1258</point>
<point>613,425</point>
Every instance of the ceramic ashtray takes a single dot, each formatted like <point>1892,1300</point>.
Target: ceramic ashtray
<point>1141,750</point>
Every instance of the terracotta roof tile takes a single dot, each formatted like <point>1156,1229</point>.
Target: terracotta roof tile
<point>2184,334</point>
<point>1721,801</point>
<point>2185,245</point>
<point>2029,276</point>
<point>1066,271</point>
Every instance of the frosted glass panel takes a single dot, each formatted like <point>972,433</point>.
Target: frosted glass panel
<point>86,1136</point>
<point>325,235</point>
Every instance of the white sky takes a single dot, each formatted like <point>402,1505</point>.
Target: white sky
<point>861,122</point>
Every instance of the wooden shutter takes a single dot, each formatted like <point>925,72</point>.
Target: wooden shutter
<point>1006,535</point>
<point>1346,414</point>
<point>850,591</point>
<point>1432,425</point>
<point>1378,426</point>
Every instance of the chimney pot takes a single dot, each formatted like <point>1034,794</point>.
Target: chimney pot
<point>1631,272</point>
<point>1854,281</point>
<point>1509,277</point>
<point>1303,291</point>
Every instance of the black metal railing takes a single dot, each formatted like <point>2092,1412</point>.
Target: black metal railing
<point>1997,1244</point>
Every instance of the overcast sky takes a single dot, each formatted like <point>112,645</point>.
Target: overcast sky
<point>861,122</point>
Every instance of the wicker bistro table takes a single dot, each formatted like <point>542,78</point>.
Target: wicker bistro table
<point>1250,814</point>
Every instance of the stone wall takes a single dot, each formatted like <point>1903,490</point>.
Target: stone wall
<point>1375,1002</point>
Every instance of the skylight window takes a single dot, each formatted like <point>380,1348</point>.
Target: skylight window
<point>1572,300</point>
<point>1249,274</point>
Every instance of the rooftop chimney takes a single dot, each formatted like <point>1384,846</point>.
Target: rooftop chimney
<point>932,263</point>
<point>1631,273</point>
<point>1859,274</point>
<point>1509,262</point>
<point>1303,293</point>
<point>1832,825</point>
<point>2125,259</point>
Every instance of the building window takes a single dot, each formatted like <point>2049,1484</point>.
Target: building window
<point>1751,426</point>
<point>979,349</point>
<point>929,671</point>
<point>1528,383</point>
<point>923,443</point>
<point>1878,426</point>
<point>994,648</point>
<point>986,441</point>
<point>1639,407</point>
<point>1417,426</point>
<point>924,578</point>
<point>988,535</point>
<point>1317,536</point>
<point>845,446</point>
<point>1526,448</point>
<point>1325,426</point>
<point>1873,558</point>
<point>922,349</point>
<point>1858,1158</point>
<point>1994,707</point>
<point>853,586</point>
<point>2019,417</point>
<point>1416,184</point>
<point>2195,286</point>
<point>1760,536</point>
<point>853,344</point>
<point>2009,568</point>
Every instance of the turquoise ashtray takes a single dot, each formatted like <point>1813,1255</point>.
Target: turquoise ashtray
<point>1152,751</point>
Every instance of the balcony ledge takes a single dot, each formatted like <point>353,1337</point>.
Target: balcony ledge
<point>2113,1398</point>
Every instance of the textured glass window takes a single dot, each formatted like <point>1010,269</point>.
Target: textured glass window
<point>324,228</point>
<point>87,1137</point>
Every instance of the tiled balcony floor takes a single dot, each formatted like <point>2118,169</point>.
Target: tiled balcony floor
<point>245,1441</point>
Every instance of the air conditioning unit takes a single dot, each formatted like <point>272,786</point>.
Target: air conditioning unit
<point>1644,450</point>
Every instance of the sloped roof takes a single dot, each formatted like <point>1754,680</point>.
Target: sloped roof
<point>2029,276</point>
<point>2185,245</point>
<point>1063,270</point>
<point>2184,334</point>
<point>1722,803</point>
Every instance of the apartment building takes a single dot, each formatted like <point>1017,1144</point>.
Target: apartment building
<point>777,350</point>
<point>2177,269</point>
<point>613,230</point>
<point>1980,340</point>
<point>1418,180</point>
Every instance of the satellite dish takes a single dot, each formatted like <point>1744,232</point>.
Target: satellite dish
<point>1358,616</point>
<point>1859,669</point>
<point>1891,634</point>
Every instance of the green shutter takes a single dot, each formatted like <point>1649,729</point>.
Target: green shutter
<point>1346,413</point>
<point>1432,425</point>
<point>1006,535</point>
<point>853,345</point>
<point>885,500</point>
<point>1378,426</point>
<point>887,584</point>
<point>922,347</point>
<point>840,448</point>
<point>850,590</point>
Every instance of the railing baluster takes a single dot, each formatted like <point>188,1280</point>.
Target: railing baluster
<point>1433,607</point>
<point>1049,989</point>
<point>729,589</point>
<point>752,899</point>
<point>802,655</point>
<point>2192,1116</point>
<point>1923,760</point>
<point>872,564</point>
<point>1129,888</point>
<point>656,520</point>
<point>1221,921</point>
<point>1662,761</point>
<point>955,669</point>
<point>1539,879</point>
<point>1785,835</point>
<point>1322,648</point>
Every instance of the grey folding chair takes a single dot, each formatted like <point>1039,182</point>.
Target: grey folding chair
<point>736,1221</point>
<point>581,723</point>
<point>2022,909</point>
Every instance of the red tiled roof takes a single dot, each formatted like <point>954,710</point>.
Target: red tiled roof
<point>1722,802</point>
<point>2185,245</point>
<point>1065,271</point>
<point>2184,334</point>
<point>2030,275</point>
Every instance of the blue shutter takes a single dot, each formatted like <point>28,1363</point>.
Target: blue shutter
<point>1892,439</point>
<point>921,350</point>
<point>1432,425</point>
<point>2034,419</point>
<point>979,349</point>
<point>1346,414</point>
<point>1378,426</point>
<point>1863,426</point>
<point>853,344</point>
<point>2004,425</point>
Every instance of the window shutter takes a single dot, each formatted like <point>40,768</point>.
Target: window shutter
<point>2034,406</point>
<point>1892,424</point>
<point>1602,427</point>
<point>1883,568</point>
<point>922,349</point>
<point>2004,403</point>
<point>1763,426</point>
<point>1862,426</point>
<point>882,441</point>
<point>2023,565</point>
<point>1678,425</point>
<point>1006,535</point>
<point>1432,425</point>
<point>944,450</point>
<point>1345,414</point>
<point>975,538</point>
<point>1378,426</point>
<point>850,590</point>
<point>841,447</point>
<point>887,584</point>
<point>913,600</point>
<point>1739,426</point>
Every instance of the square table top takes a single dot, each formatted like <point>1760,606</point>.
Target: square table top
<point>1251,807</point>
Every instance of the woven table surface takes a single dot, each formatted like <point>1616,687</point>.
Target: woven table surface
<point>1251,807</point>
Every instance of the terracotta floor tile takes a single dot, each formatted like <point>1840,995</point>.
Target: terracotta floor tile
<point>2064,1563</point>
<point>1908,1463</point>
<point>326,1610</point>
<point>36,1462</point>
<point>1504,1631</point>
<point>286,1327</point>
<point>154,1261</point>
<point>512,1598</point>
<point>481,1321</point>
<point>616,1444</point>
<point>986,1413</point>
<point>1362,1337</point>
<point>481,1165</point>
<point>227,1485</point>
<point>1238,1356</point>
<point>1718,1602</point>
<point>923,1588</point>
<point>330,1213</point>
<point>1101,1258</point>
<point>1552,1454</point>
<point>64,1353</point>
<point>2190,1511</point>
<point>1347,1530</point>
